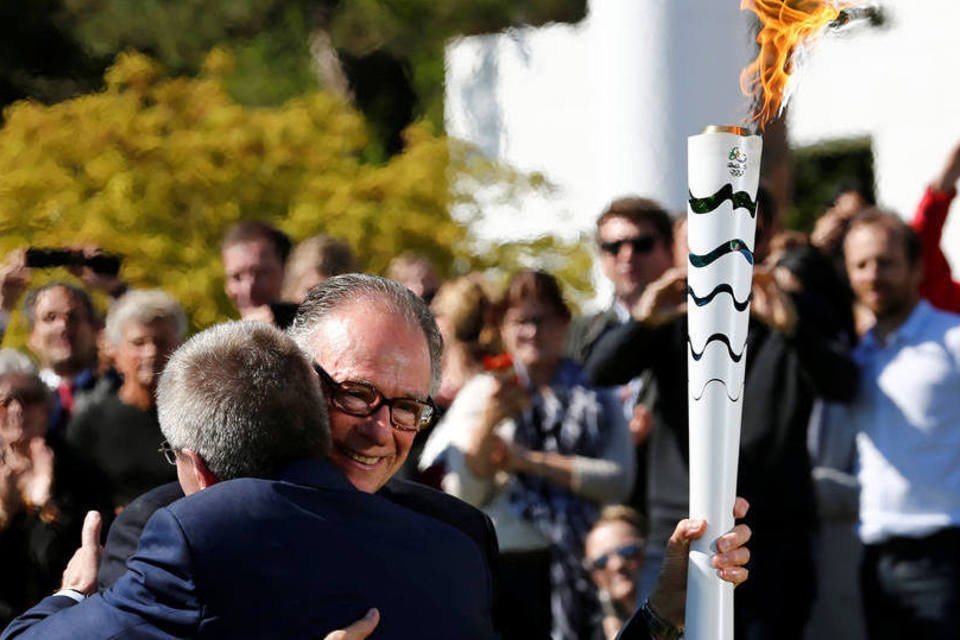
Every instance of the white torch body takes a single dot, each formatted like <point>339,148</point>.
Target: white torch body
<point>723,176</point>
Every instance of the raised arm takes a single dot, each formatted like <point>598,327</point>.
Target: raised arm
<point>938,285</point>
<point>623,353</point>
<point>662,615</point>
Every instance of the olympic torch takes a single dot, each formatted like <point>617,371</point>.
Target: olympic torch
<point>723,175</point>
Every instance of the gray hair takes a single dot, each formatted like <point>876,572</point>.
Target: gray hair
<point>14,361</point>
<point>15,364</point>
<point>243,396</point>
<point>143,306</point>
<point>332,294</point>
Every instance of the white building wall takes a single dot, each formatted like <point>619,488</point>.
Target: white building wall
<point>899,86</point>
<point>602,108</point>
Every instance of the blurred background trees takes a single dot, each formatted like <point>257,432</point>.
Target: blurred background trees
<point>390,52</point>
<point>319,115</point>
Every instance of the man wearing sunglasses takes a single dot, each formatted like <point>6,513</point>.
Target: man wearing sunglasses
<point>613,555</point>
<point>376,354</point>
<point>634,238</point>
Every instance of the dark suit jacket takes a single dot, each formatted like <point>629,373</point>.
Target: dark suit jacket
<point>294,557</point>
<point>586,331</point>
<point>125,531</point>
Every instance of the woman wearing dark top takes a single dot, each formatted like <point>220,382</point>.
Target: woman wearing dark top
<point>120,432</point>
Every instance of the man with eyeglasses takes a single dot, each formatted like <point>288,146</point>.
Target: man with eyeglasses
<point>378,350</point>
<point>796,356</point>
<point>374,346</point>
<point>273,541</point>
<point>635,242</point>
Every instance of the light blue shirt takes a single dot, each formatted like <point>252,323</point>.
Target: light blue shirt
<point>907,417</point>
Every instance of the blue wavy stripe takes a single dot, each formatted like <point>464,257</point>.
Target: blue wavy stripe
<point>740,200</point>
<point>727,247</point>
<point>717,337</point>
<point>703,390</point>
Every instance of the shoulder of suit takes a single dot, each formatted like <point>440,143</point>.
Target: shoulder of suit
<point>157,497</point>
<point>436,504</point>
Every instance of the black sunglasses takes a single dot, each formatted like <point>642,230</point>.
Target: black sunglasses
<point>639,244</point>
<point>627,552</point>
<point>362,399</point>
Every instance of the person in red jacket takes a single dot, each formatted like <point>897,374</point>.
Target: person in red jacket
<point>938,285</point>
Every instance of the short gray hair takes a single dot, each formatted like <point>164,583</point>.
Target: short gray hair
<point>143,306</point>
<point>14,361</point>
<point>243,396</point>
<point>332,294</point>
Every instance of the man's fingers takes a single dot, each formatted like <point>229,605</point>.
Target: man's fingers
<point>81,571</point>
<point>687,530</point>
<point>735,558</point>
<point>90,535</point>
<point>740,507</point>
<point>359,630</point>
<point>736,537</point>
<point>736,575</point>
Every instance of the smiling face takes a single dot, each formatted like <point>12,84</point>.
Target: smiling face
<point>63,336</point>
<point>144,349</point>
<point>363,342</point>
<point>620,575</point>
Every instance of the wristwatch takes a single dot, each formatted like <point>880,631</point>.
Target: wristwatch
<point>659,628</point>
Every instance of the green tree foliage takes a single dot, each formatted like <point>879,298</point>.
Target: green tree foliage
<point>40,57</point>
<point>268,38</point>
<point>416,32</point>
<point>392,50</point>
<point>156,168</point>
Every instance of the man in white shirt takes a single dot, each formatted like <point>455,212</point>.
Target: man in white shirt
<point>907,416</point>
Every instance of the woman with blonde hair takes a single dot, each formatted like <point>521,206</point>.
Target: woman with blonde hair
<point>464,313</point>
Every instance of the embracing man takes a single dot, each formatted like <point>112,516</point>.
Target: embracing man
<point>313,548</point>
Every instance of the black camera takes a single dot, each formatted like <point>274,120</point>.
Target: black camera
<point>107,264</point>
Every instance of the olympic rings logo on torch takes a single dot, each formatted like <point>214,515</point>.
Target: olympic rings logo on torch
<point>737,162</point>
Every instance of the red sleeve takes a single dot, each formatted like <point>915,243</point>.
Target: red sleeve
<point>937,284</point>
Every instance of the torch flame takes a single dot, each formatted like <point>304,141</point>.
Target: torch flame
<point>784,26</point>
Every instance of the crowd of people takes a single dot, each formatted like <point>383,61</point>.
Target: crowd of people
<point>474,461</point>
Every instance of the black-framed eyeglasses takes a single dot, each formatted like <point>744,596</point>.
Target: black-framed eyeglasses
<point>362,399</point>
<point>639,244</point>
<point>169,453</point>
<point>626,551</point>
